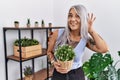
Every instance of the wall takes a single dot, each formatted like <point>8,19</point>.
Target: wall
<point>55,11</point>
<point>11,10</point>
<point>107,22</point>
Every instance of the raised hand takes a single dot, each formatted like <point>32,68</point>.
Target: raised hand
<point>91,19</point>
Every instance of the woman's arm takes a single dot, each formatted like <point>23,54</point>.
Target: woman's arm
<point>96,43</point>
<point>51,43</point>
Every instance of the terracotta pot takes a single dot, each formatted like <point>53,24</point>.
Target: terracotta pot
<point>29,77</point>
<point>66,64</point>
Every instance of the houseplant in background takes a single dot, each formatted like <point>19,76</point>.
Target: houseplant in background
<point>28,72</point>
<point>28,23</point>
<point>29,47</point>
<point>100,67</point>
<point>65,56</point>
<point>36,24</point>
<point>16,24</point>
<point>42,23</point>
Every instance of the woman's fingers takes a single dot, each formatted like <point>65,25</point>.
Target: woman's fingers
<point>59,68</point>
<point>91,17</point>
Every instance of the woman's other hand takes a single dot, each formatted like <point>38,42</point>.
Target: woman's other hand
<point>91,19</point>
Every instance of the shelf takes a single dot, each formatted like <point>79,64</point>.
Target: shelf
<point>31,28</point>
<point>42,74</point>
<point>12,57</point>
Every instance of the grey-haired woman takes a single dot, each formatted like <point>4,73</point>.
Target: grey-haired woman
<point>79,33</point>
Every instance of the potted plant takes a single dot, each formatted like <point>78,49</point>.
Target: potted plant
<point>28,72</point>
<point>28,23</point>
<point>65,56</point>
<point>36,24</point>
<point>16,23</point>
<point>29,47</point>
<point>42,23</point>
<point>100,67</point>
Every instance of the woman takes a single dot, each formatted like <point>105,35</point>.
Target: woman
<point>79,33</point>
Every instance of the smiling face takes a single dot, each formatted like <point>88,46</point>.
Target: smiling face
<point>74,21</point>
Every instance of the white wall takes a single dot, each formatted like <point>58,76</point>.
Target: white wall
<point>107,23</point>
<point>55,11</point>
<point>11,10</point>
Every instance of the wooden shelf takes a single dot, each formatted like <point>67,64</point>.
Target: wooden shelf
<point>42,74</point>
<point>12,57</point>
<point>31,28</point>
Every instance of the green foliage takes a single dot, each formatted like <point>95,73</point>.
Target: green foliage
<point>118,74</point>
<point>16,21</point>
<point>28,21</point>
<point>64,53</point>
<point>96,64</point>
<point>28,71</point>
<point>119,53</point>
<point>42,22</point>
<point>100,67</point>
<point>26,42</point>
<point>112,73</point>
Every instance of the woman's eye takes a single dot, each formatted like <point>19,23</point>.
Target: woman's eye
<point>77,16</point>
<point>69,15</point>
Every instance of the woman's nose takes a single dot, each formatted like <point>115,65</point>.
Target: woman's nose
<point>73,18</point>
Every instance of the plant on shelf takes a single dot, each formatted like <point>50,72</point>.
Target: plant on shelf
<point>28,23</point>
<point>28,72</point>
<point>65,55</point>
<point>100,67</point>
<point>26,42</point>
<point>36,24</point>
<point>29,47</point>
<point>42,23</point>
<point>16,24</point>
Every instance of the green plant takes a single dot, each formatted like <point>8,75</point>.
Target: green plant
<point>26,42</point>
<point>28,71</point>
<point>64,53</point>
<point>100,67</point>
<point>42,23</point>
<point>16,22</point>
<point>28,21</point>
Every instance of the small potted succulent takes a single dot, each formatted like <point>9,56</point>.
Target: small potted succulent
<point>28,72</point>
<point>65,56</point>
<point>42,23</point>
<point>16,24</point>
<point>36,24</point>
<point>28,23</point>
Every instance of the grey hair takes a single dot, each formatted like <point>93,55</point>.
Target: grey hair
<point>82,13</point>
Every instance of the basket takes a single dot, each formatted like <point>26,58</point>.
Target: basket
<point>28,51</point>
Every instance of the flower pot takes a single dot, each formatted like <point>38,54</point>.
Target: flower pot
<point>29,77</point>
<point>66,64</point>
<point>16,24</point>
<point>28,51</point>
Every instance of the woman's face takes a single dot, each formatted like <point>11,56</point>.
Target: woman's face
<point>74,21</point>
